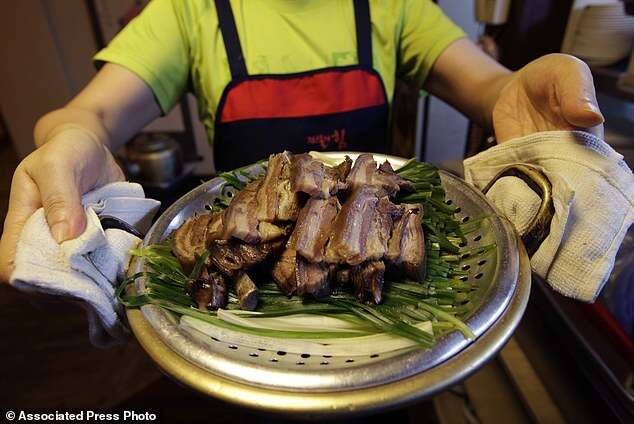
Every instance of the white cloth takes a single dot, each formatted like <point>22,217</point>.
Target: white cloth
<point>86,268</point>
<point>593,196</point>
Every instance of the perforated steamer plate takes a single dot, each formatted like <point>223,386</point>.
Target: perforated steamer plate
<point>275,380</point>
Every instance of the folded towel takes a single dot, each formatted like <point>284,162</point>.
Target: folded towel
<point>593,197</point>
<point>86,268</point>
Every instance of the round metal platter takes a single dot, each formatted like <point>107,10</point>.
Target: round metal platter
<point>274,380</point>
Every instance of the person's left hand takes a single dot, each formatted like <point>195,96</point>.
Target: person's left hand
<point>554,92</point>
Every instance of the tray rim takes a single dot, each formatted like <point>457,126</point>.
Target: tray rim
<point>338,392</point>
<point>342,403</point>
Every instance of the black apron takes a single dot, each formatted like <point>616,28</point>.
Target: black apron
<point>334,108</point>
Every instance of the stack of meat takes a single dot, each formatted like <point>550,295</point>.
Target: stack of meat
<point>311,227</point>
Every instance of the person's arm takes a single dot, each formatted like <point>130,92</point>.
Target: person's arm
<point>114,106</point>
<point>554,92</point>
<point>73,156</point>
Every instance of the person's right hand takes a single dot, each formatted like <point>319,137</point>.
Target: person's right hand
<point>55,176</point>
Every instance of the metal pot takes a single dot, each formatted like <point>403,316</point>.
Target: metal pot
<point>154,160</point>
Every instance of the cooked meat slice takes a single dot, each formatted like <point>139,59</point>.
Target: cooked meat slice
<point>312,177</point>
<point>234,256</point>
<point>386,167</point>
<point>270,232</point>
<point>365,173</point>
<point>240,218</point>
<point>313,227</point>
<point>252,255</point>
<point>341,171</point>
<point>267,193</point>
<point>288,201</point>
<point>350,230</point>
<point>343,276</point>
<point>193,236</point>
<point>214,228</point>
<point>362,172</point>
<point>224,255</point>
<point>406,249</point>
<point>380,229</point>
<point>247,292</point>
<point>283,272</point>
<point>209,291</point>
<point>312,278</point>
<point>275,199</point>
<point>367,281</point>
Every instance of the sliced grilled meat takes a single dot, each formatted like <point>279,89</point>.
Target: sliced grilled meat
<point>312,278</point>
<point>234,256</point>
<point>288,202</point>
<point>283,272</point>
<point>347,243</point>
<point>380,229</point>
<point>342,276</point>
<point>270,232</point>
<point>365,173</point>
<point>247,292</point>
<point>240,218</point>
<point>406,249</point>
<point>215,227</point>
<point>313,226</point>
<point>275,199</point>
<point>367,281</point>
<point>209,291</point>
<point>312,177</point>
<point>193,236</point>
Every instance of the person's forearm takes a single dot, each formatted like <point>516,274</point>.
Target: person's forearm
<point>483,112</point>
<point>469,80</point>
<point>110,115</point>
<point>51,124</point>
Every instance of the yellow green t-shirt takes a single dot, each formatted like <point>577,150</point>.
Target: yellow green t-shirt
<point>173,43</point>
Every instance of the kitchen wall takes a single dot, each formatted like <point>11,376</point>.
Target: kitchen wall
<point>45,46</point>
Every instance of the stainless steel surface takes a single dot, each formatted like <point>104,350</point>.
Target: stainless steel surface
<point>226,361</point>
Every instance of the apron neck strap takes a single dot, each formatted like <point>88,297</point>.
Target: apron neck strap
<point>364,32</point>
<point>232,41</point>
<point>234,49</point>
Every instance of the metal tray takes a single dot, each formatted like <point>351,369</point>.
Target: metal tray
<point>316,384</point>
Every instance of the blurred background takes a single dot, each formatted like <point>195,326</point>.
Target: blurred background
<point>567,363</point>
